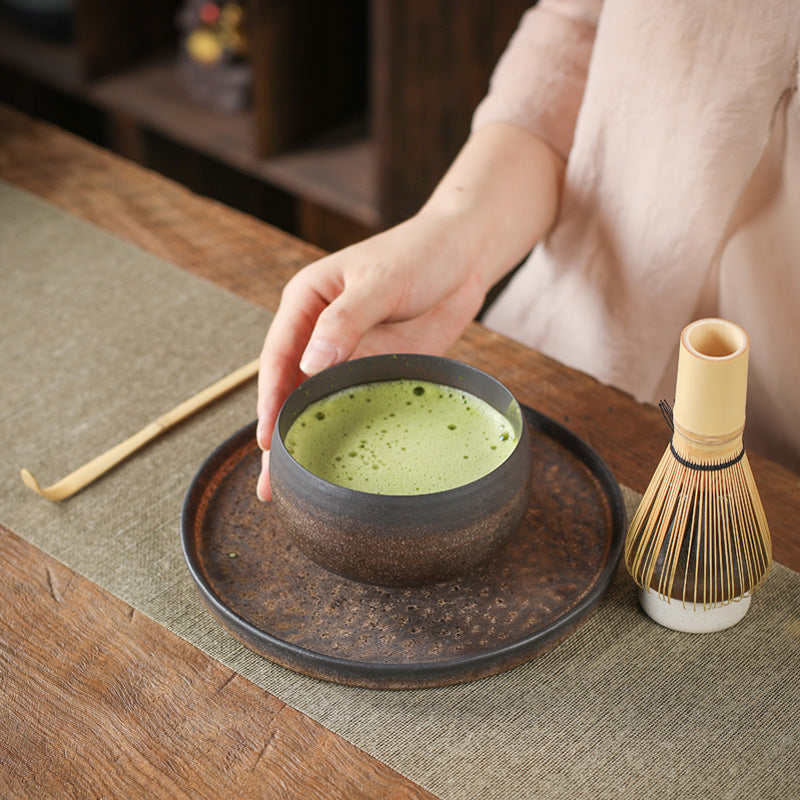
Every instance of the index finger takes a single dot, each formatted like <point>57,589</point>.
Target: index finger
<point>284,344</point>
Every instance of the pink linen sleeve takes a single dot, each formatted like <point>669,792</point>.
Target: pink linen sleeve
<point>539,80</point>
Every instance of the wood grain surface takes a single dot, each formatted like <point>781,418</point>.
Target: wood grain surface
<point>96,700</point>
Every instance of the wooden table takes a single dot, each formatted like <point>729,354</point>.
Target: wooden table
<point>192,728</point>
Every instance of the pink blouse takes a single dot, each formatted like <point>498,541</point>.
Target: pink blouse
<point>680,123</point>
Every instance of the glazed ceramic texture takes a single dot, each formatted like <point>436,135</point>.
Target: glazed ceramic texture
<point>401,539</point>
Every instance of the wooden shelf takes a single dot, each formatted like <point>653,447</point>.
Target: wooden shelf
<point>335,170</point>
<point>367,162</point>
<point>53,63</point>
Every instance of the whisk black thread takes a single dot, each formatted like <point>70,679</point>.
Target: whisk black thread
<point>705,467</point>
<point>666,410</point>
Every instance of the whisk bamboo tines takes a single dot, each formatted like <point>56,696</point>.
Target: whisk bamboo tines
<point>699,542</point>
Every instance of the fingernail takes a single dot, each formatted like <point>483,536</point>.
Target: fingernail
<point>318,356</point>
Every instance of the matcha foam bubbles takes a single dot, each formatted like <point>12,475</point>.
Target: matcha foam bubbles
<point>400,437</point>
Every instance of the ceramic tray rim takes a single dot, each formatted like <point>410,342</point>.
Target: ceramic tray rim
<point>413,674</point>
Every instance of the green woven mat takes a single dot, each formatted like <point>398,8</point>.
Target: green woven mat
<point>99,338</point>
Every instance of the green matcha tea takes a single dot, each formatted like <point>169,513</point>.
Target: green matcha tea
<point>400,437</point>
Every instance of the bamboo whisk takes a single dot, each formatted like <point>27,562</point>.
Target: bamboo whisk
<point>700,536</point>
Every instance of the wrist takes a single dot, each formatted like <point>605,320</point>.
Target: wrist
<point>499,198</point>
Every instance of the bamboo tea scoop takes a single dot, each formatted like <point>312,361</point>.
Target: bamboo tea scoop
<point>98,466</point>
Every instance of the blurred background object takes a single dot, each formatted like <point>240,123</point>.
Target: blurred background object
<point>50,18</point>
<point>213,59</point>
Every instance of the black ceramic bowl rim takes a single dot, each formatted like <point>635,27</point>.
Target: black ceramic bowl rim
<point>412,366</point>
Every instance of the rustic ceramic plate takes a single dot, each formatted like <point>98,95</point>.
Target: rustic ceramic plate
<point>531,595</point>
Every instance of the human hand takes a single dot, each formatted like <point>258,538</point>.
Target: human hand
<point>414,287</point>
<point>399,291</point>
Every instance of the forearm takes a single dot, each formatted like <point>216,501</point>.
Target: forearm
<point>499,197</point>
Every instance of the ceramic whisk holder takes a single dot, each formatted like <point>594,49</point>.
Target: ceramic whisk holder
<point>699,543</point>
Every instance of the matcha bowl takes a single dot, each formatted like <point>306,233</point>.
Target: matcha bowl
<point>401,470</point>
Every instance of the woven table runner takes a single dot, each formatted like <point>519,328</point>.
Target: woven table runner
<point>99,337</point>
